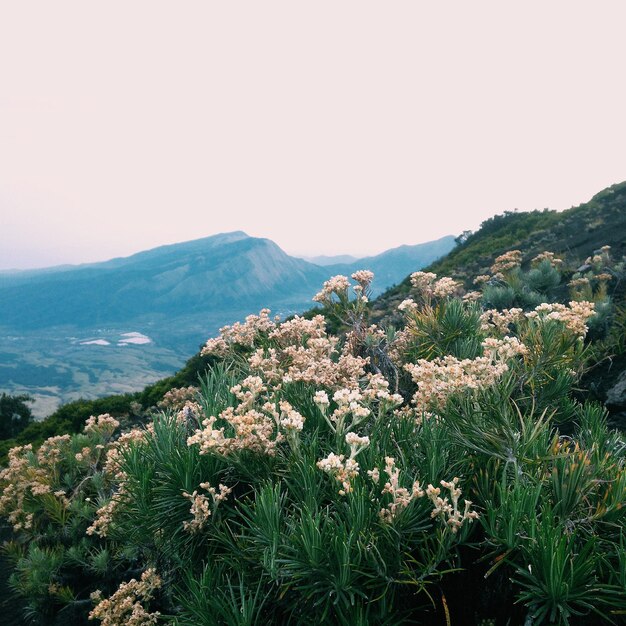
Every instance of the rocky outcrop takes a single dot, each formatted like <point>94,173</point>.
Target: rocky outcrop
<point>616,395</point>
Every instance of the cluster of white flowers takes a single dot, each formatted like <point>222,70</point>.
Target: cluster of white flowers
<point>304,352</point>
<point>349,405</point>
<point>30,474</point>
<point>178,397</point>
<point>114,454</point>
<point>290,419</point>
<point>506,262</point>
<point>356,443</point>
<point>577,283</point>
<point>423,282</point>
<point>191,412</point>
<point>298,330</point>
<point>408,306</point>
<point>104,425</point>
<point>427,286</point>
<point>600,258</point>
<point>500,321</point>
<point>449,512</point>
<point>549,257</point>
<point>446,287</point>
<point>482,279</point>
<point>503,349</point>
<point>341,469</point>
<point>240,334</point>
<point>377,389</point>
<point>104,515</point>
<point>472,296</point>
<point>364,278</point>
<point>125,605</point>
<point>401,497</point>
<point>202,505</point>
<point>437,380</point>
<point>254,423</point>
<point>574,317</point>
<point>321,399</point>
<point>336,286</point>
<point>604,277</point>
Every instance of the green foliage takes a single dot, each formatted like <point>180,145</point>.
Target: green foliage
<point>544,278</point>
<point>15,415</point>
<point>450,327</point>
<point>561,578</point>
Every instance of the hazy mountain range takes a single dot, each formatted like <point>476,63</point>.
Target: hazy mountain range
<point>115,326</point>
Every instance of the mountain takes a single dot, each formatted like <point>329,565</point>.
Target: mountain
<point>324,261</point>
<point>224,272</point>
<point>113,327</point>
<point>392,266</point>
<point>221,272</point>
<point>66,363</point>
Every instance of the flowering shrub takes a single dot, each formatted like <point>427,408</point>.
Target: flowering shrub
<point>316,476</point>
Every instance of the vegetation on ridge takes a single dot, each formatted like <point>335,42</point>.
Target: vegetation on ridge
<point>573,234</point>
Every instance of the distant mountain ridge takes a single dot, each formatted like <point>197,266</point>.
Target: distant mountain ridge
<point>392,266</point>
<point>339,259</point>
<point>226,271</point>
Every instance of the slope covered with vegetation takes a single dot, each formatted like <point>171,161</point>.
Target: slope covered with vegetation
<point>576,236</point>
<point>444,472</point>
<point>573,234</point>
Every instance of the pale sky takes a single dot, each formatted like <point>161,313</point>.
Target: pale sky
<point>327,126</point>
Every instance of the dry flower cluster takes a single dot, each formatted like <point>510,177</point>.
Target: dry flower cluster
<point>450,513</point>
<point>427,286</point>
<point>440,378</point>
<point>507,262</point>
<point>125,606</point>
<point>336,286</point>
<point>202,506</point>
<point>500,322</point>
<point>401,497</point>
<point>252,425</point>
<point>550,257</point>
<point>573,317</point>
<point>103,425</point>
<point>104,515</point>
<point>29,475</point>
<point>341,469</point>
<point>241,334</point>
<point>178,397</point>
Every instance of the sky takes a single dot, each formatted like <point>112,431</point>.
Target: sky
<point>329,127</point>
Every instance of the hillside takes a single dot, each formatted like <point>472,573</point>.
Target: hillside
<point>572,234</point>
